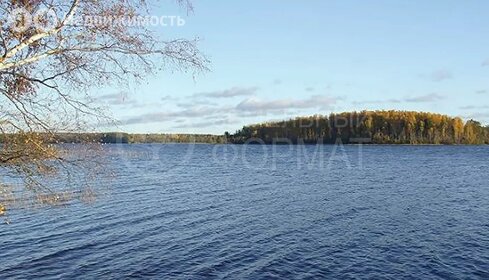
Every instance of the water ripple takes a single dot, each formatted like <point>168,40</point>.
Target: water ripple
<point>407,212</point>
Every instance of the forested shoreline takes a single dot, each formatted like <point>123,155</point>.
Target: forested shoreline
<point>127,138</point>
<point>374,127</point>
<point>123,138</point>
<point>367,127</point>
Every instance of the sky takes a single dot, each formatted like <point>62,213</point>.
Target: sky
<point>276,59</point>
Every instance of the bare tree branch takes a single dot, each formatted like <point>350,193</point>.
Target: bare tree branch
<point>46,76</point>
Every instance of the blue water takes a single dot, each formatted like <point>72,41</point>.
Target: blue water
<point>263,212</point>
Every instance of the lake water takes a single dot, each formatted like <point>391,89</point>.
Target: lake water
<point>262,212</point>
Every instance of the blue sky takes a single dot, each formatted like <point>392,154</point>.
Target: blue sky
<point>274,59</point>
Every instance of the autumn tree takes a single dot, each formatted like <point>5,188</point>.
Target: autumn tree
<point>52,53</point>
<point>381,127</point>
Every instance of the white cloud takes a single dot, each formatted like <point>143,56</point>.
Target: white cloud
<point>193,113</point>
<point>210,123</point>
<point>473,107</point>
<point>250,107</point>
<point>365,102</point>
<point>259,105</point>
<point>441,75</point>
<point>227,93</point>
<point>120,98</point>
<point>277,82</point>
<point>432,97</point>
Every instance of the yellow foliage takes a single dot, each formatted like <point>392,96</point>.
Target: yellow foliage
<point>381,127</point>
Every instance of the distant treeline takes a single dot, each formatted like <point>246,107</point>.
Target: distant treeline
<point>176,138</point>
<point>376,127</point>
<point>125,138</point>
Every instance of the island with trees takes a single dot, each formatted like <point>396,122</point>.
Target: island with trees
<point>374,127</point>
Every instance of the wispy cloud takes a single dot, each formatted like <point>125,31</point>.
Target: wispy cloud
<point>432,97</point>
<point>277,82</point>
<point>211,123</point>
<point>169,98</point>
<point>482,91</point>
<point>120,98</point>
<point>196,102</point>
<point>250,107</point>
<point>473,107</point>
<point>366,102</point>
<point>259,105</point>
<point>228,93</point>
<point>441,75</point>
<point>167,116</point>
<point>485,63</point>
